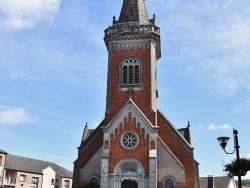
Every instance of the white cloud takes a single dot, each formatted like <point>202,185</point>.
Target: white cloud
<point>214,41</point>
<point>14,116</point>
<point>26,13</point>
<point>245,155</point>
<point>216,127</point>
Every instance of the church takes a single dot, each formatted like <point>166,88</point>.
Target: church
<point>136,145</point>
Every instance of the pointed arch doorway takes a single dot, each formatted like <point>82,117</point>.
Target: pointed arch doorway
<point>129,184</point>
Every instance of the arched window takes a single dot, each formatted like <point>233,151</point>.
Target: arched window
<point>130,73</point>
<point>94,182</point>
<point>169,183</point>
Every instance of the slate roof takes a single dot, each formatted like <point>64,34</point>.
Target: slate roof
<point>1,151</point>
<point>219,182</point>
<point>35,166</point>
<point>133,11</point>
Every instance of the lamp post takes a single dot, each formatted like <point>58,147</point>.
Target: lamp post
<point>223,143</point>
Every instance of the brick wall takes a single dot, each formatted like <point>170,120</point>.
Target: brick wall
<point>88,151</point>
<point>118,152</point>
<point>141,98</point>
<point>179,150</point>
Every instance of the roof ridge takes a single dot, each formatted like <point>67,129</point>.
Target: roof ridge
<point>30,158</point>
<point>1,151</point>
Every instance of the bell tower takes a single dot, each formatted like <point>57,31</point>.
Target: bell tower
<point>135,145</point>
<point>133,43</point>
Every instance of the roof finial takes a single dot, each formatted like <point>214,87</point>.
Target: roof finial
<point>85,132</point>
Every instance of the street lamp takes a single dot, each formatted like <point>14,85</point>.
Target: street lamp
<point>223,143</point>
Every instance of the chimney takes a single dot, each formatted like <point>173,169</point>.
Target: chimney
<point>210,181</point>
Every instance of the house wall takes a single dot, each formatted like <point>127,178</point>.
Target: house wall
<point>232,184</point>
<point>44,181</point>
<point>9,177</point>
<point>64,182</point>
<point>48,175</point>
<point>58,180</point>
<point>19,179</point>
<point>2,164</point>
<point>28,180</point>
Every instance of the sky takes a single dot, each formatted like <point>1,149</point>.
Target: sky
<point>53,72</point>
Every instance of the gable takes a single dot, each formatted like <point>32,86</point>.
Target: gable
<point>130,112</point>
<point>48,170</point>
<point>48,175</point>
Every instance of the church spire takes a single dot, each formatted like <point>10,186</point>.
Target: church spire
<point>133,20</point>
<point>134,11</point>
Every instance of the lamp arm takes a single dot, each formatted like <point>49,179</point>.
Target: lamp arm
<point>236,144</point>
<point>228,152</point>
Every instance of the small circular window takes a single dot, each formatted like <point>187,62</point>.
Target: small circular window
<point>129,140</point>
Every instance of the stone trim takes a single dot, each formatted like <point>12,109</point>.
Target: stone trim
<point>130,109</point>
<point>130,44</point>
<point>105,173</point>
<point>119,177</point>
<point>152,172</point>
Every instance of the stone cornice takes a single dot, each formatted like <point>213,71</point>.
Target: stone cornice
<point>136,38</point>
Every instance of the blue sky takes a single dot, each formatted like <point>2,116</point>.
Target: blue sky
<point>53,69</point>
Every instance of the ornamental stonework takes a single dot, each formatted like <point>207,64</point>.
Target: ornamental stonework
<point>128,45</point>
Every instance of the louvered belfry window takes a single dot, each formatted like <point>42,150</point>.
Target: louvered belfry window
<point>130,72</point>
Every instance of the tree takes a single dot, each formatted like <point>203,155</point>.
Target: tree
<point>238,167</point>
<point>244,182</point>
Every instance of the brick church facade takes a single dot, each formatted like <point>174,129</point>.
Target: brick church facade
<point>135,146</point>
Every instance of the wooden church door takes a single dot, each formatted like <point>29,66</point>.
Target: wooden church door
<point>129,184</point>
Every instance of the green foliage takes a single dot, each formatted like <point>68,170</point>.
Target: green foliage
<point>244,182</point>
<point>238,168</point>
